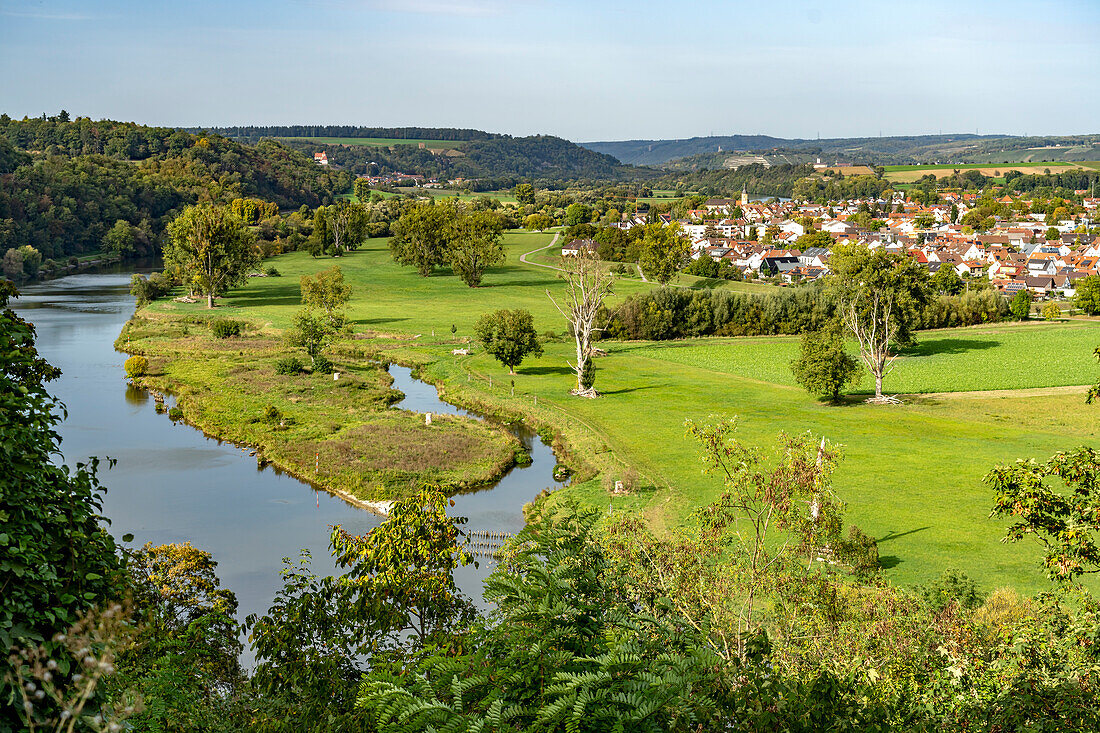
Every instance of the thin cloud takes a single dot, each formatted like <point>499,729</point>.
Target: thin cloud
<point>465,8</point>
<point>45,15</point>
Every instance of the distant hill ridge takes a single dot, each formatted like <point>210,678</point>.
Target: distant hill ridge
<point>958,148</point>
<point>252,133</point>
<point>484,155</point>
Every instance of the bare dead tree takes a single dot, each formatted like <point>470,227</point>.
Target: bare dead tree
<point>587,284</point>
<point>870,319</point>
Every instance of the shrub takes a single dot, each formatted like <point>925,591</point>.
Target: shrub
<point>223,328</point>
<point>1021,305</point>
<point>136,366</point>
<point>954,586</point>
<point>270,271</point>
<point>321,365</point>
<point>860,551</point>
<point>175,413</point>
<point>145,289</point>
<point>288,366</point>
<point>1051,311</point>
<point>272,414</point>
<point>588,373</point>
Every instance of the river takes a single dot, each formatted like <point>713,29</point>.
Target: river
<point>171,483</point>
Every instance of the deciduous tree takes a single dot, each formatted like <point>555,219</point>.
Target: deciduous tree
<point>310,331</point>
<point>422,236</point>
<point>823,366</point>
<point>212,249</point>
<point>1056,502</point>
<point>664,250</point>
<point>327,292</point>
<point>509,336</point>
<point>475,245</point>
<point>119,240</point>
<point>880,296</point>
<point>1087,295</point>
<point>587,285</point>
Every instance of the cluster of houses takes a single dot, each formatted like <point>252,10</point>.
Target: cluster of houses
<point>1014,255</point>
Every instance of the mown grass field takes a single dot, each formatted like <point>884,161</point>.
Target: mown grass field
<point>378,142</point>
<point>994,357</point>
<point>911,474</point>
<point>504,197</point>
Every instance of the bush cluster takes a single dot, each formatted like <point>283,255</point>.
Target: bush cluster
<point>224,328</point>
<point>289,366</point>
<point>136,366</point>
<point>965,309</point>
<point>673,313</point>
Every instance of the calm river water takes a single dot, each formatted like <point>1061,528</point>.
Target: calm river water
<point>173,484</point>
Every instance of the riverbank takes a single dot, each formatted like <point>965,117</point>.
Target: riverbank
<point>339,434</point>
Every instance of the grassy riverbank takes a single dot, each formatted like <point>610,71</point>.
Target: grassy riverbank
<point>911,474</point>
<point>341,434</point>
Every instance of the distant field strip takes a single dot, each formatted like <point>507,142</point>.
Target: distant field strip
<point>910,173</point>
<point>995,357</point>
<point>968,166</point>
<point>377,142</point>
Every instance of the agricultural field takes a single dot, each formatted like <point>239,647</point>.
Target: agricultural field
<point>911,474</point>
<point>379,142</point>
<point>910,173</point>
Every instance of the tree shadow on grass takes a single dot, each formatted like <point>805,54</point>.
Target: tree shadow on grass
<point>895,535</point>
<point>545,370</point>
<point>289,294</point>
<point>627,390</point>
<point>889,561</point>
<point>932,347</point>
<point>516,284</point>
<point>376,321</point>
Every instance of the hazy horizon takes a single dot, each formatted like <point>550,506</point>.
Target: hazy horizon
<point>584,71</point>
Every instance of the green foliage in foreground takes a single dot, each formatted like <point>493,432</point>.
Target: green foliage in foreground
<point>58,558</point>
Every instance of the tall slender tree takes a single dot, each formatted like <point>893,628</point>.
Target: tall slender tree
<point>587,285</point>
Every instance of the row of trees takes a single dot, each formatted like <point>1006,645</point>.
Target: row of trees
<point>430,235</point>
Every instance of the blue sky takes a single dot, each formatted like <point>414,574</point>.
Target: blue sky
<point>583,70</point>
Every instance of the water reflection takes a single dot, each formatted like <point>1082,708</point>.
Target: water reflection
<point>172,484</point>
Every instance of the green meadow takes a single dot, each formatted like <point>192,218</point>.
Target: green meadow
<point>911,474</point>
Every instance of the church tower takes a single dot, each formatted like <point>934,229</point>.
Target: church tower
<point>744,197</point>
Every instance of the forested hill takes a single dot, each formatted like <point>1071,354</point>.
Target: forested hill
<point>64,183</point>
<point>864,150</point>
<point>446,153</point>
<point>254,133</point>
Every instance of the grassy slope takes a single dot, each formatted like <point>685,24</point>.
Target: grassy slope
<point>911,474</point>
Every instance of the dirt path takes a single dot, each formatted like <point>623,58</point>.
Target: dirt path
<point>524,260</point>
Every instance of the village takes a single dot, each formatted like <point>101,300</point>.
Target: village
<point>768,239</point>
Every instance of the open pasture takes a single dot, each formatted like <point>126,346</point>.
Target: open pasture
<point>911,474</point>
<point>1000,356</point>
